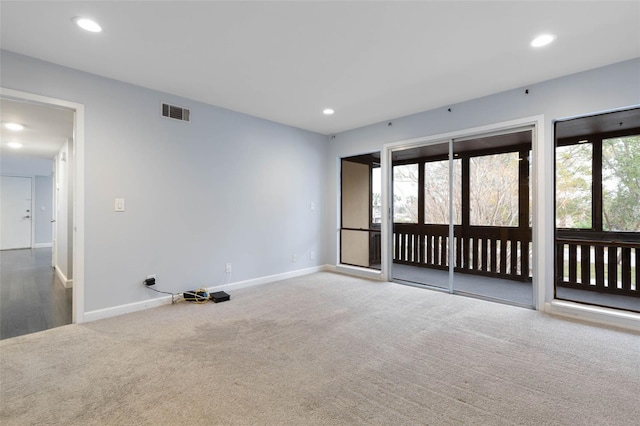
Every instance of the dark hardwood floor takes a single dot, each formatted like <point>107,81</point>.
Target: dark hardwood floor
<point>32,298</point>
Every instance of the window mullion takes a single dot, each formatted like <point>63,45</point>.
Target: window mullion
<point>597,184</point>
<point>523,190</point>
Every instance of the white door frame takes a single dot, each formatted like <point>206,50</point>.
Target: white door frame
<point>78,191</point>
<point>542,231</point>
<point>54,213</point>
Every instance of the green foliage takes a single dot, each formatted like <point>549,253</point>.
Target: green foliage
<point>573,186</point>
<point>621,184</point>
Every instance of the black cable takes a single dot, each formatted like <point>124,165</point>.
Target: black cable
<point>165,292</point>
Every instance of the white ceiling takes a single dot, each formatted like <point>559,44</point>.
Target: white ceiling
<point>287,61</point>
<point>46,129</point>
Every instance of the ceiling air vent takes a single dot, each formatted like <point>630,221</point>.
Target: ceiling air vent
<point>176,112</point>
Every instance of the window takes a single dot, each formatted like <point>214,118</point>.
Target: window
<point>494,190</point>
<point>436,192</point>
<point>376,195</point>
<point>574,180</point>
<point>621,184</point>
<point>405,193</point>
<point>597,232</point>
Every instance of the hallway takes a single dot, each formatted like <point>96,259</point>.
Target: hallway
<point>32,298</point>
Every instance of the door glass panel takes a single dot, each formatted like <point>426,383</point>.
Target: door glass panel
<point>494,190</point>
<point>493,243</point>
<point>436,192</point>
<point>419,244</point>
<point>405,193</point>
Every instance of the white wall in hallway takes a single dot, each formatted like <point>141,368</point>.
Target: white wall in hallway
<point>43,206</point>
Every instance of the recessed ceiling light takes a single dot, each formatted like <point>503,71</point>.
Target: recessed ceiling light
<point>328,111</point>
<point>14,145</point>
<point>14,126</point>
<point>87,24</point>
<point>543,40</point>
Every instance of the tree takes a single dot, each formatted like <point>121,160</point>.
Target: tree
<point>494,190</point>
<point>405,193</point>
<point>621,184</point>
<point>436,192</point>
<point>493,198</point>
<point>573,186</point>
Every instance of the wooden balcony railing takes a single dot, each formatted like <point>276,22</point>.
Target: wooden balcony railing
<point>594,261</point>
<point>598,261</point>
<point>492,251</point>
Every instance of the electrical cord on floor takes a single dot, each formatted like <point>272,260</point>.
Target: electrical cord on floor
<point>200,295</point>
<point>173,300</point>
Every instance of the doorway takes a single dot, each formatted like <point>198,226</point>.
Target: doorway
<point>462,216</point>
<point>45,293</point>
<point>361,211</point>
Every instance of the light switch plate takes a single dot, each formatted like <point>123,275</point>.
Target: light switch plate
<point>119,205</point>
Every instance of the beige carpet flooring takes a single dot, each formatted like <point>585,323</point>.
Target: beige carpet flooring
<point>324,349</point>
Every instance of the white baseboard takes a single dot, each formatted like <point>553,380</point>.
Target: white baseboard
<point>166,300</point>
<point>43,245</point>
<point>268,279</point>
<point>67,283</point>
<point>594,314</point>
<point>126,309</point>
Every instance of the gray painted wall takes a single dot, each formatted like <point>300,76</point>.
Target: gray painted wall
<point>234,188</point>
<point>43,202</point>
<point>610,87</point>
<point>226,187</point>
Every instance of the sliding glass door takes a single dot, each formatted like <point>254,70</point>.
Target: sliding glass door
<point>493,241</point>
<point>462,219</point>
<point>421,216</point>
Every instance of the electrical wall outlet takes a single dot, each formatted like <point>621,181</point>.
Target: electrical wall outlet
<point>294,258</point>
<point>227,268</point>
<point>312,255</point>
